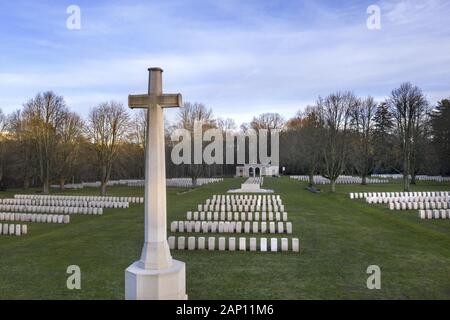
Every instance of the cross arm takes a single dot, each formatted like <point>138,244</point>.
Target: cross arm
<point>146,100</point>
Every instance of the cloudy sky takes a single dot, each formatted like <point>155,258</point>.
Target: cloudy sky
<point>240,58</point>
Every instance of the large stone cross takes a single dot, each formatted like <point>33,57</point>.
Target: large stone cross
<point>156,275</point>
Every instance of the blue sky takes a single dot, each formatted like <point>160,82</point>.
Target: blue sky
<point>240,58</point>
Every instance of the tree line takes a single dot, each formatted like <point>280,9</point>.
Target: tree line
<point>345,134</point>
<point>46,143</point>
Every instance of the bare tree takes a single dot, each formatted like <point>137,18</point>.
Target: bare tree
<point>363,123</point>
<point>269,121</point>
<point>138,128</point>
<point>70,135</point>
<point>107,127</point>
<point>302,138</point>
<point>186,118</point>
<point>3,143</point>
<point>44,115</point>
<point>334,112</point>
<point>226,125</point>
<point>408,106</point>
<point>24,154</point>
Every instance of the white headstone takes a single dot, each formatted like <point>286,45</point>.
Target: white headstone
<point>272,227</point>
<point>201,243</point>
<point>295,245</point>
<point>221,243</point>
<point>232,244</point>
<point>211,243</point>
<point>280,227</point>
<point>284,244</point>
<point>263,244</point>
<point>273,244</point>
<point>181,243</point>
<point>252,244</point>
<point>18,229</point>
<point>191,243</point>
<point>242,244</point>
<point>172,242</point>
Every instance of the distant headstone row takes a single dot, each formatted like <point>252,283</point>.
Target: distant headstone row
<point>236,216</point>
<point>231,227</point>
<point>65,203</point>
<point>80,198</point>
<point>255,180</point>
<point>13,229</point>
<point>434,214</point>
<point>412,202</point>
<point>432,204</point>
<point>234,244</point>
<point>226,203</point>
<point>174,182</point>
<point>38,218</point>
<point>251,185</point>
<point>340,180</point>
<point>255,198</point>
<point>50,209</point>
<point>418,177</point>
<point>387,195</point>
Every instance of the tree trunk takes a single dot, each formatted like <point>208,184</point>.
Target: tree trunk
<point>413,178</point>
<point>406,167</point>
<point>406,182</point>
<point>26,182</point>
<point>61,183</point>
<point>45,186</point>
<point>333,185</point>
<point>364,180</point>
<point>103,188</point>
<point>104,180</point>
<point>46,180</point>
<point>311,179</point>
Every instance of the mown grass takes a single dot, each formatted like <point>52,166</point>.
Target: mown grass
<point>339,239</point>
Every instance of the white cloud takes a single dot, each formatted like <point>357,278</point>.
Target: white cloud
<point>268,65</point>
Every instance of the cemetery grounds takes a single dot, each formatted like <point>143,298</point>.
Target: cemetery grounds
<point>339,239</point>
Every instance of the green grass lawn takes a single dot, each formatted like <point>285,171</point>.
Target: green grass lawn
<point>339,239</point>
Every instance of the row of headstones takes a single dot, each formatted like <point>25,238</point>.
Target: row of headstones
<point>407,199</point>
<point>340,180</point>
<point>231,227</point>
<point>418,177</point>
<point>434,214</point>
<point>240,207</point>
<point>65,203</point>
<point>81,198</point>
<point>13,229</point>
<point>52,210</point>
<point>200,243</point>
<point>418,205</point>
<point>237,216</point>
<point>33,217</point>
<point>178,182</point>
<point>253,198</point>
<point>363,195</point>
<point>254,180</point>
<point>95,184</point>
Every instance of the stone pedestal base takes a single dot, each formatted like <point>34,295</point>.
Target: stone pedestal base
<point>166,284</point>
